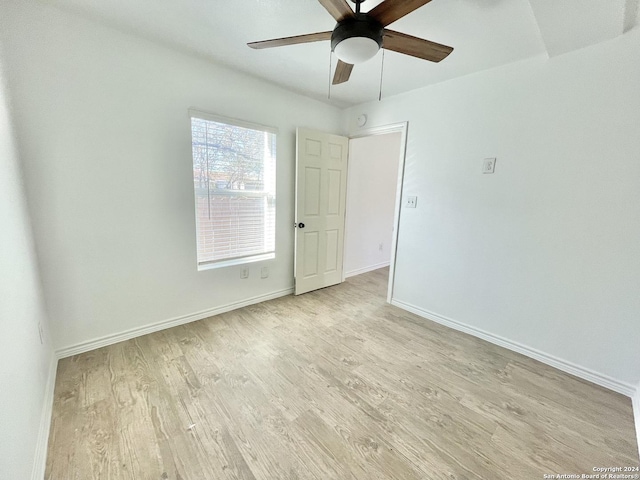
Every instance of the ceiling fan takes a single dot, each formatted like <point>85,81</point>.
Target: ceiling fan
<point>357,36</point>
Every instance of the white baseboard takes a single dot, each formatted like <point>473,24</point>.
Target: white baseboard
<point>172,322</point>
<point>370,268</point>
<point>636,414</point>
<point>40,459</point>
<point>559,363</point>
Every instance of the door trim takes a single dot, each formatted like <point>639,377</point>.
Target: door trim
<point>403,128</point>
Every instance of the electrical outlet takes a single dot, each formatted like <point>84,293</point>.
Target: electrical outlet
<point>381,246</point>
<point>244,272</point>
<point>489,165</point>
<point>264,273</point>
<point>411,202</point>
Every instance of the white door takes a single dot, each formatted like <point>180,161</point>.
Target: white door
<point>321,185</point>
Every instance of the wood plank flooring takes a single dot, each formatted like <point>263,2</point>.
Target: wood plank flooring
<point>334,384</point>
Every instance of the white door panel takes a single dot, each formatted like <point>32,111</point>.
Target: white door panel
<point>321,167</point>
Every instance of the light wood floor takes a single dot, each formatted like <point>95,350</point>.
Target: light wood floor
<point>334,384</point>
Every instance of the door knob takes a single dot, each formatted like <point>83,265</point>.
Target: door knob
<point>301,225</point>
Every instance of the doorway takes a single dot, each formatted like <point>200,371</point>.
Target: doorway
<point>336,239</point>
<point>374,191</point>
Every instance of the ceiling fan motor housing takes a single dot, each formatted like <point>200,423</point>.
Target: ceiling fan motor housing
<point>361,27</point>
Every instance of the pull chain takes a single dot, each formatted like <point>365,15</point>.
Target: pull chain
<point>381,72</point>
<point>330,59</point>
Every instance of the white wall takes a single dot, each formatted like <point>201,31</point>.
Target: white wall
<point>371,197</point>
<point>25,363</point>
<point>103,128</point>
<point>546,251</point>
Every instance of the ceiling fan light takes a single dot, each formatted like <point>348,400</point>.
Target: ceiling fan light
<point>356,50</point>
<point>357,39</point>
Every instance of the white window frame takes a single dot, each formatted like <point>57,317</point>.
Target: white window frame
<point>194,113</point>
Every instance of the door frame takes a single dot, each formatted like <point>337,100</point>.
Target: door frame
<point>402,128</point>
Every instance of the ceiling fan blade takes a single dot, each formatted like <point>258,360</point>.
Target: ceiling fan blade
<point>391,10</point>
<point>414,46</point>
<point>279,42</point>
<point>343,72</point>
<point>338,9</point>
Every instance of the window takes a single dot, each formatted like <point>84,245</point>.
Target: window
<point>234,178</point>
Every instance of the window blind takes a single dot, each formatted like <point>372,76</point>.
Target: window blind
<point>234,167</point>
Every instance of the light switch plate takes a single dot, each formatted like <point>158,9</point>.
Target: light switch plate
<point>489,165</point>
<point>411,201</point>
<point>244,272</point>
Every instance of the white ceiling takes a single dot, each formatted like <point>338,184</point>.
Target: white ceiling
<point>567,25</point>
<point>484,33</point>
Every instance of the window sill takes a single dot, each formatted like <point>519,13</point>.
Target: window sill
<point>236,261</point>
